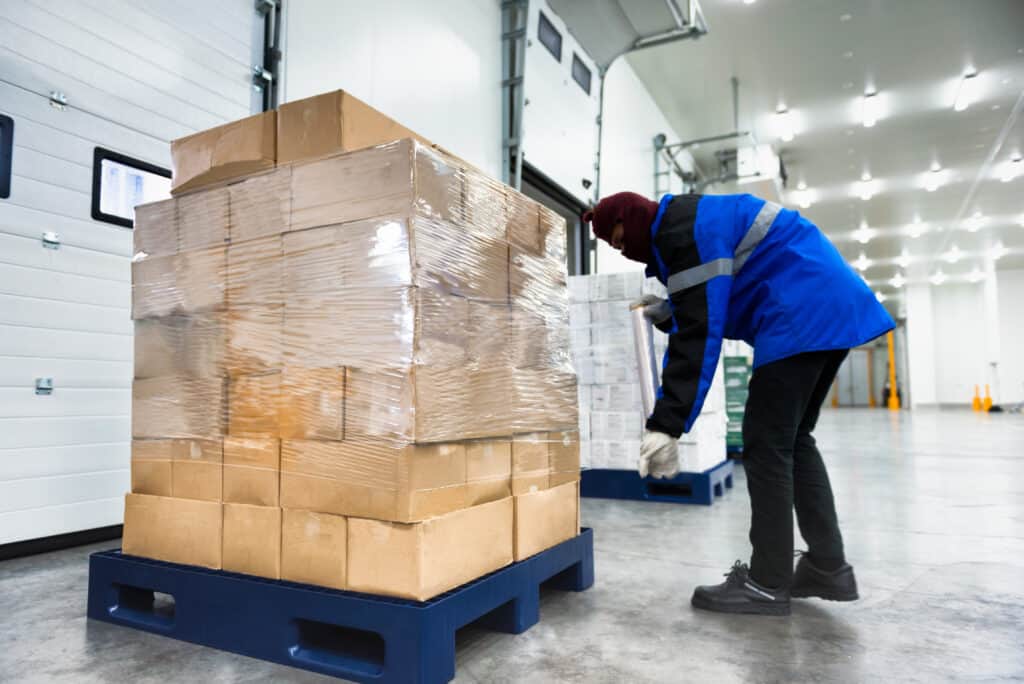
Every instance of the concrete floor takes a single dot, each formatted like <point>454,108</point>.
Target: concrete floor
<point>932,508</point>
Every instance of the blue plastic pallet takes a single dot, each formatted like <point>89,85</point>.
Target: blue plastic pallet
<point>360,637</point>
<point>691,488</point>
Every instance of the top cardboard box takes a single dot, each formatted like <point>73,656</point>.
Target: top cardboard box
<point>223,153</point>
<point>330,123</point>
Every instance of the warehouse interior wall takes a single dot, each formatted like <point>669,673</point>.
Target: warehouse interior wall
<point>1010,376</point>
<point>434,66</point>
<point>630,121</point>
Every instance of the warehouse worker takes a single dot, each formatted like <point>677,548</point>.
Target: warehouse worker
<point>739,267</point>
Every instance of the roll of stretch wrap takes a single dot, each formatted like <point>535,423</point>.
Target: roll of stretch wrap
<point>643,342</point>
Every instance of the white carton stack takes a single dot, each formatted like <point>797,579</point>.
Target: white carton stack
<point>611,413</point>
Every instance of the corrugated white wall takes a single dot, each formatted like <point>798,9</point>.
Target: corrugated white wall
<point>136,74</point>
<point>433,66</point>
<point>630,121</point>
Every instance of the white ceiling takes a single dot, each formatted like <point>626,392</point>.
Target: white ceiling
<point>818,57</point>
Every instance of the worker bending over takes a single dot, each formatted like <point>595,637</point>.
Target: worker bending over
<point>739,267</point>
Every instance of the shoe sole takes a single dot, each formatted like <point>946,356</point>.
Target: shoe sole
<point>825,595</point>
<point>775,609</point>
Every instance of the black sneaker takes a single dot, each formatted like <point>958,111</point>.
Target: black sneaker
<point>740,594</point>
<point>812,582</point>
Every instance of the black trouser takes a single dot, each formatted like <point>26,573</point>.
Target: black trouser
<point>783,466</point>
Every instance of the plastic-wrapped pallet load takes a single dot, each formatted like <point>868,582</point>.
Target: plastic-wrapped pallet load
<point>368,345</point>
<point>611,409</point>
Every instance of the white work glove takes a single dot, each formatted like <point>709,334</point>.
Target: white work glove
<point>659,455</point>
<point>656,309</point>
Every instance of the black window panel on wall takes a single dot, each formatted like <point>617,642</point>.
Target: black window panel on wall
<point>120,182</point>
<point>580,73</point>
<point>550,37</point>
<point>6,154</point>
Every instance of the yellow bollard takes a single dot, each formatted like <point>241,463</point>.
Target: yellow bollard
<point>987,404</point>
<point>976,403</point>
<point>894,399</point>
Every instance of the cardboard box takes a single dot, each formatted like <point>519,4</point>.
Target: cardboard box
<point>252,540</point>
<point>564,455</point>
<point>530,462</point>
<point>488,470</point>
<point>151,466</point>
<point>330,123</point>
<point>156,228</point>
<point>545,518</point>
<point>253,405</point>
<point>312,403</point>
<point>314,548</point>
<point>260,206</point>
<point>225,152</point>
<point>201,277</point>
<point>255,340</point>
<point>252,471</point>
<point>421,560</point>
<point>377,480</point>
<point>197,469</point>
<point>180,406</point>
<point>173,530</point>
<point>203,220</point>
<point>255,273</point>
<point>523,221</point>
<point>185,344</point>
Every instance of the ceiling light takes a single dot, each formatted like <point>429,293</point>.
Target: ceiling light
<point>749,2</point>
<point>933,179</point>
<point>1012,168</point>
<point>785,123</point>
<point>869,109</point>
<point>863,234</point>
<point>862,262</point>
<point>966,91</point>
<point>845,17</point>
<point>801,186</point>
<point>803,199</point>
<point>953,255</point>
<point>880,297</point>
<point>916,228</point>
<point>976,221</point>
<point>904,258</point>
<point>998,251</point>
<point>865,176</point>
<point>898,281</point>
<point>975,276</point>
<point>938,277</point>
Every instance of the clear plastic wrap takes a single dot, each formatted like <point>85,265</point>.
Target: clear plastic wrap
<point>363,307</point>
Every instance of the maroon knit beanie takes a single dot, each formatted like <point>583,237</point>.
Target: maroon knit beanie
<point>636,213</point>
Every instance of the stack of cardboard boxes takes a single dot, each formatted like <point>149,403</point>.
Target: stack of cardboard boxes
<point>611,412</point>
<point>352,360</point>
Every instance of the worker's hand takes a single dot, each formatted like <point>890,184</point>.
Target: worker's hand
<point>655,308</point>
<point>659,455</point>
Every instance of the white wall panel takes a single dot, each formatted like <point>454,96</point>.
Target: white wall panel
<point>1011,334</point>
<point>433,66</point>
<point>959,342</point>
<point>136,73</point>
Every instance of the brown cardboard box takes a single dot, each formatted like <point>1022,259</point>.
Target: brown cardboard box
<point>313,403</point>
<point>374,480</point>
<point>488,470</point>
<point>261,206</point>
<point>187,344</point>
<point>192,282</point>
<point>156,228</point>
<point>545,518</point>
<point>255,272</point>
<point>252,471</point>
<point>203,220</point>
<point>225,152</point>
<point>314,548</point>
<point>151,466</point>
<point>197,469</point>
<point>254,339</point>
<point>179,406</point>
<point>174,530</point>
<point>564,454</point>
<point>252,540</point>
<point>253,405</point>
<point>353,187</point>
<point>421,560</point>
<point>530,462</point>
<point>523,221</point>
<point>330,123</point>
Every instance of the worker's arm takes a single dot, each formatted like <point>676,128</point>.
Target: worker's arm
<point>700,296</point>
